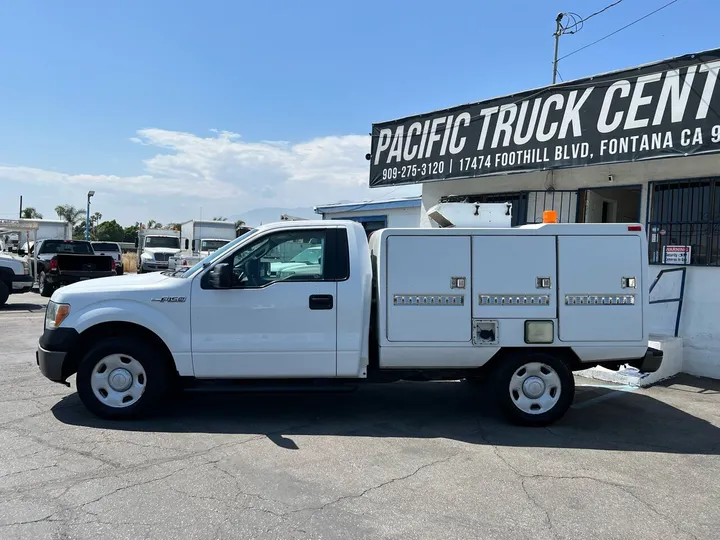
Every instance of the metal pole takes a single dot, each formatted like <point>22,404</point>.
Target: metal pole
<point>558,32</point>
<point>87,220</point>
<point>20,215</point>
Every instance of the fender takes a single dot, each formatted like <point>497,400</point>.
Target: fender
<point>170,321</point>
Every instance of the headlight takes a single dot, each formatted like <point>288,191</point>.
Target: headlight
<point>146,256</point>
<point>26,267</point>
<point>55,314</point>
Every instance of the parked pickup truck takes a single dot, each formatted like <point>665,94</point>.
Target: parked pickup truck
<point>15,276</point>
<point>525,306</point>
<point>62,262</point>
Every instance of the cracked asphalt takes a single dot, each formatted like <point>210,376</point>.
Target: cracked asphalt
<point>404,461</point>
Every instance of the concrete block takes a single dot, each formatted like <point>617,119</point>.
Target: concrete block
<point>672,364</point>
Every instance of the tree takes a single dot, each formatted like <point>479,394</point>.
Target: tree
<point>30,213</point>
<point>110,230</point>
<point>69,213</point>
<point>79,231</point>
<point>130,233</point>
<point>152,224</point>
<point>239,223</point>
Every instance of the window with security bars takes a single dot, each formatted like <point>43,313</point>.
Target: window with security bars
<point>684,222</point>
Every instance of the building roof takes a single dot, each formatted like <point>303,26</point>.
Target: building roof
<point>403,202</point>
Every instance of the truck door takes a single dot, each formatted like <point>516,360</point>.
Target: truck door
<point>279,318</point>
<point>596,302</point>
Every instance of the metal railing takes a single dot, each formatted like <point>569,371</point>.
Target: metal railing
<point>679,299</point>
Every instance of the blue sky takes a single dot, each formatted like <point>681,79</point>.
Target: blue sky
<point>124,98</point>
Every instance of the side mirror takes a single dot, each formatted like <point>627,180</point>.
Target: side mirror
<point>221,276</point>
<point>187,243</point>
<point>137,243</point>
<point>21,252</point>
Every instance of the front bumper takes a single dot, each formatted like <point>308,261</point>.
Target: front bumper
<point>152,266</point>
<point>52,353</point>
<point>51,364</point>
<point>21,284</point>
<point>649,363</point>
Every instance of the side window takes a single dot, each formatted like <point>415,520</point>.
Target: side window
<point>282,256</point>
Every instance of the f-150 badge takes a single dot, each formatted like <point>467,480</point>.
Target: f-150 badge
<point>169,299</point>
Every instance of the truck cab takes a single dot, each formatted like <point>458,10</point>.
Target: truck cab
<point>523,306</point>
<point>154,249</point>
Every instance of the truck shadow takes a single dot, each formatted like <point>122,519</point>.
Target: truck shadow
<point>601,418</point>
<point>22,307</point>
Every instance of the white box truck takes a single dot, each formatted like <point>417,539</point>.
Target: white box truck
<point>524,306</point>
<point>155,247</point>
<point>47,229</point>
<point>199,238</point>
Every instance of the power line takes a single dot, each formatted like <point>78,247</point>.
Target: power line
<point>616,31</point>
<point>578,22</point>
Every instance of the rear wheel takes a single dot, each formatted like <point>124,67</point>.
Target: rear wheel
<point>122,378</point>
<point>119,271</point>
<point>4,293</point>
<point>534,389</point>
<point>45,288</point>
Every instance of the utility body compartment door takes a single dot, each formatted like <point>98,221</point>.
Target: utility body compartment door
<point>594,303</point>
<point>422,305</point>
<point>514,277</point>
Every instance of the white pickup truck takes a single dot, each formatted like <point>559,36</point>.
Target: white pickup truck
<point>15,276</point>
<point>526,306</point>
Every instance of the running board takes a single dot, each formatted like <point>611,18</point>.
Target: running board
<point>224,386</point>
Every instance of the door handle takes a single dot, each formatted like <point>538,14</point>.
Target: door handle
<point>321,301</point>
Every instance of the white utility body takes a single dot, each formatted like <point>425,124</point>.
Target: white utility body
<point>525,305</point>
<point>199,238</point>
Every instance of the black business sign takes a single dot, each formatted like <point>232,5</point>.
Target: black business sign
<point>669,108</point>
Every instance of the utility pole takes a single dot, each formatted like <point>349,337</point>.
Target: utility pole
<point>558,33</point>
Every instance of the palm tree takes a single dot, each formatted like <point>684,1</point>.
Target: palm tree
<point>30,213</point>
<point>69,213</point>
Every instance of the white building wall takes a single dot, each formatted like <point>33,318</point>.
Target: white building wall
<point>700,321</point>
<point>396,217</point>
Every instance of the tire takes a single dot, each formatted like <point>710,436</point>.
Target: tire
<point>522,376</point>
<point>133,393</point>
<point>46,290</point>
<point>119,271</point>
<point>4,293</point>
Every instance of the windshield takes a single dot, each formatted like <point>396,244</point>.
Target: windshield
<point>162,242</point>
<point>309,256</point>
<point>217,254</point>
<point>212,245</point>
<point>105,246</point>
<point>65,246</point>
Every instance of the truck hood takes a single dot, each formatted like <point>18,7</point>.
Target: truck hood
<point>141,287</point>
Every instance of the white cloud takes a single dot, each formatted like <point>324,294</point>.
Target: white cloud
<point>223,168</point>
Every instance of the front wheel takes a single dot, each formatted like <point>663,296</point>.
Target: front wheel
<point>534,389</point>
<point>122,378</point>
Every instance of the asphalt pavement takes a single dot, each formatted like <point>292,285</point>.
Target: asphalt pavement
<point>402,461</point>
